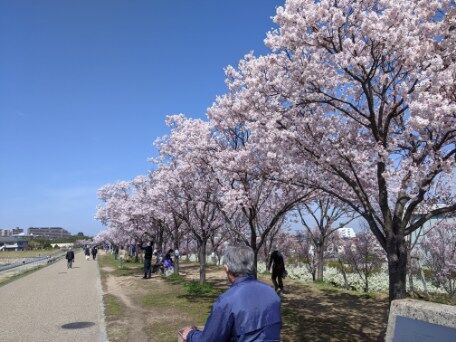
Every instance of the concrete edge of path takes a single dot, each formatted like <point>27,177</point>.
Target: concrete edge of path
<point>103,333</point>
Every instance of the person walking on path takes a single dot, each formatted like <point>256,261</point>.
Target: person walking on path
<point>148,251</point>
<point>70,258</point>
<point>248,311</point>
<point>278,269</point>
<point>94,252</point>
<point>87,252</point>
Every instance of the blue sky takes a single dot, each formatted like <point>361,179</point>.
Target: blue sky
<point>85,87</point>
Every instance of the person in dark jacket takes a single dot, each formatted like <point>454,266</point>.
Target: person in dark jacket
<point>87,252</point>
<point>70,258</point>
<point>94,252</point>
<point>115,250</point>
<point>278,269</point>
<point>248,311</point>
<point>169,257</point>
<point>148,251</point>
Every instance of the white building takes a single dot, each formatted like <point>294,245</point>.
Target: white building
<point>346,233</point>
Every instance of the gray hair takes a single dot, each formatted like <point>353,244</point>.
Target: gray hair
<point>239,260</point>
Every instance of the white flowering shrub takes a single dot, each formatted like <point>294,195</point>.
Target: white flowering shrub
<point>377,282</point>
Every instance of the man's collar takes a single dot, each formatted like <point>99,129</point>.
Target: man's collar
<point>241,279</point>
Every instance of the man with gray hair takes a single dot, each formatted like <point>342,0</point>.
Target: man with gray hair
<point>248,311</point>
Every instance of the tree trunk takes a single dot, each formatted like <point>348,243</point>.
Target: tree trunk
<point>320,260</point>
<point>176,258</point>
<point>253,245</point>
<point>344,273</point>
<point>160,241</point>
<point>255,261</point>
<point>397,266</point>
<point>423,279</point>
<point>410,269</point>
<point>202,261</point>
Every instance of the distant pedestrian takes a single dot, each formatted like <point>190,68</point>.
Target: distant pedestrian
<point>148,251</point>
<point>94,252</point>
<point>115,251</point>
<point>168,264</point>
<point>158,266</point>
<point>169,255</point>
<point>122,256</point>
<point>70,258</point>
<point>87,252</point>
<point>278,269</point>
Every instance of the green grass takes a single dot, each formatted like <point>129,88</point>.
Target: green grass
<point>8,280</point>
<point>113,306</point>
<point>177,301</point>
<point>107,261</point>
<point>120,269</point>
<point>163,331</point>
<point>188,297</point>
<point>441,298</point>
<point>329,288</point>
<point>175,279</point>
<point>194,288</point>
<point>28,254</point>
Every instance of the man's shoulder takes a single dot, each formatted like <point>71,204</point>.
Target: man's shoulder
<point>252,287</point>
<point>263,287</point>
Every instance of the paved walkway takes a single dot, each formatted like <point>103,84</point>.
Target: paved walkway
<point>35,307</point>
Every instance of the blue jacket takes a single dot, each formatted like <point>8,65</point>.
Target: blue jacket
<point>248,311</point>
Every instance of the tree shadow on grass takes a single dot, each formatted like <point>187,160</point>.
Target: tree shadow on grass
<point>328,315</point>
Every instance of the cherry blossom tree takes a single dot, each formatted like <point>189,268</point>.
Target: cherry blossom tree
<point>439,248</point>
<point>190,181</point>
<point>254,203</point>
<point>321,219</point>
<point>277,238</point>
<point>364,255</point>
<point>336,244</point>
<point>306,250</point>
<point>127,210</point>
<point>358,100</point>
<point>165,205</point>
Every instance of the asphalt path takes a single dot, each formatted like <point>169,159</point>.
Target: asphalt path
<point>36,306</point>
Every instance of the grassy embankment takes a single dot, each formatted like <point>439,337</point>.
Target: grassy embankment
<point>28,254</point>
<point>13,256</point>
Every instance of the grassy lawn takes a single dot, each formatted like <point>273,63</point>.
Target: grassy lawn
<point>155,309</point>
<point>5,279</point>
<point>28,254</point>
<point>113,306</point>
<point>10,275</point>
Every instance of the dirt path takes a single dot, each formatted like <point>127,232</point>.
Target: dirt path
<point>122,289</point>
<point>137,321</point>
